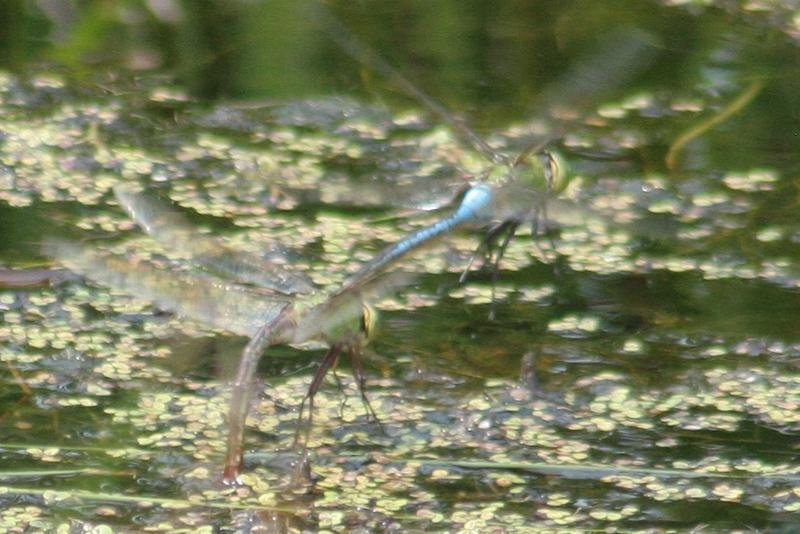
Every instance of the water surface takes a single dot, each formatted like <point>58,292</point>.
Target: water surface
<point>640,373</point>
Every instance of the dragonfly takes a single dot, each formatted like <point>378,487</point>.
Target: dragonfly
<point>280,307</point>
<point>273,304</point>
<point>268,302</point>
<point>512,191</point>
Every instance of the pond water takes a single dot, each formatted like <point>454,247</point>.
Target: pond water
<point>640,370</point>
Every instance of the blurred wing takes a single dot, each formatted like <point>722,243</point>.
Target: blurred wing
<point>611,64</point>
<point>197,296</point>
<point>172,230</point>
<point>377,159</point>
<point>359,51</point>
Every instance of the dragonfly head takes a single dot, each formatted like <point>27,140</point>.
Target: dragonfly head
<point>544,170</point>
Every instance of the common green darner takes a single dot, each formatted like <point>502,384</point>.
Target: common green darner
<point>287,310</point>
<point>282,310</point>
<point>513,189</point>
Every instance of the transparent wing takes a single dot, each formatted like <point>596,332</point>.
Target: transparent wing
<point>197,296</point>
<point>368,156</point>
<point>170,228</point>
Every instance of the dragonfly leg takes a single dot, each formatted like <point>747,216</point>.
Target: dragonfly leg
<point>485,248</point>
<point>340,387</point>
<point>468,268</point>
<point>357,368</point>
<point>536,229</point>
<point>511,229</point>
<point>329,361</point>
<point>302,471</point>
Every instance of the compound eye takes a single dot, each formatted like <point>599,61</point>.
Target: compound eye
<point>554,171</point>
<point>368,320</point>
<point>550,168</point>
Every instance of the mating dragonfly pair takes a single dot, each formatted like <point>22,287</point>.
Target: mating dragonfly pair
<point>273,304</point>
<point>288,309</point>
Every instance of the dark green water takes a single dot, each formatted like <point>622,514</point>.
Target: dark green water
<point>639,373</point>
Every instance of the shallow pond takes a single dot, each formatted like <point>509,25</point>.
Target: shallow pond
<point>640,371</point>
